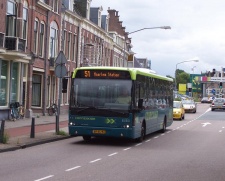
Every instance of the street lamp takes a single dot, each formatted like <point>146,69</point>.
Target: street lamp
<point>128,33</point>
<point>192,60</point>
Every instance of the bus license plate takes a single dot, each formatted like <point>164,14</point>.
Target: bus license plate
<point>99,131</point>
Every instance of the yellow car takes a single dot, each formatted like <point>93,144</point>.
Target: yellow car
<point>178,110</point>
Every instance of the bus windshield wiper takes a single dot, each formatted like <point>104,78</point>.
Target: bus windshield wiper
<point>114,111</point>
<point>89,107</point>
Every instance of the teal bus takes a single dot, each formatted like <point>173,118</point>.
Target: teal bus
<point>94,111</point>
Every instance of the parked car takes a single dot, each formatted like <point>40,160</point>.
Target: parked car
<point>190,106</point>
<point>205,100</point>
<point>218,103</point>
<point>178,110</point>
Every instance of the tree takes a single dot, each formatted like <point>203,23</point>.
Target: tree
<point>182,77</point>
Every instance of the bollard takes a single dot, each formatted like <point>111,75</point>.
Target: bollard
<point>2,131</point>
<point>32,135</point>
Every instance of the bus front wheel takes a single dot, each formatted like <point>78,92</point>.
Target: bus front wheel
<point>142,136</point>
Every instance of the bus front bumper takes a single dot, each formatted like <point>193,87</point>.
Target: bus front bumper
<point>101,131</point>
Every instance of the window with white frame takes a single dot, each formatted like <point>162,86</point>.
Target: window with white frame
<point>41,39</point>
<point>56,6</point>
<point>4,72</point>
<point>74,47</point>
<point>11,19</point>
<point>15,83</point>
<point>53,48</point>
<point>69,45</point>
<point>35,36</point>
<point>64,41</point>
<point>36,90</point>
<point>25,20</point>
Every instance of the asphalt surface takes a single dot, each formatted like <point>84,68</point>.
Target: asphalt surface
<point>24,133</point>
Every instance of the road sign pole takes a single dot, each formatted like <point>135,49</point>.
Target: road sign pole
<point>60,72</point>
<point>59,103</point>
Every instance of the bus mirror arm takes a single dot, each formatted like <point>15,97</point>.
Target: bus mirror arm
<point>140,103</point>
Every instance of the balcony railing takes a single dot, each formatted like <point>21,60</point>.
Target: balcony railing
<point>2,40</point>
<point>15,43</point>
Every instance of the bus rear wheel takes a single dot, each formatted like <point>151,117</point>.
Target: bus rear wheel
<point>86,138</point>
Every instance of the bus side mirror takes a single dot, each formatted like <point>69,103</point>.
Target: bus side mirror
<point>64,85</point>
<point>140,103</point>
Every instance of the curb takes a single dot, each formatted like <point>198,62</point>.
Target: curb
<point>23,146</point>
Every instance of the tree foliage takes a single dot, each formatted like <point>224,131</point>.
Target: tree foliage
<point>182,77</point>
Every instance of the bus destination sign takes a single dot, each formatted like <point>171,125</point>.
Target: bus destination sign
<point>103,74</point>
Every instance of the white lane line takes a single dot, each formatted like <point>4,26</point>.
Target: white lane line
<point>168,132</point>
<point>220,131</point>
<point>113,154</point>
<point>127,149</point>
<point>156,137</point>
<point>95,160</point>
<point>223,127</point>
<point>148,140</point>
<point>162,134</point>
<point>138,144</point>
<point>72,168</point>
<point>44,178</point>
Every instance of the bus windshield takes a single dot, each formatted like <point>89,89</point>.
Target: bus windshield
<point>101,94</point>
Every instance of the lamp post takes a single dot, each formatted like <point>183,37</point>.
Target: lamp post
<point>193,60</point>
<point>128,33</point>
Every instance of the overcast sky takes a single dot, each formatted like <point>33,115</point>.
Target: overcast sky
<point>197,31</point>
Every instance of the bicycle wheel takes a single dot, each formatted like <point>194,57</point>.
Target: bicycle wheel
<point>16,113</point>
<point>50,111</point>
<point>12,114</point>
<point>55,108</point>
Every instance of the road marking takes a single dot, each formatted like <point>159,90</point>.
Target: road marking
<point>127,149</point>
<point>113,154</point>
<point>162,134</point>
<point>205,124</point>
<point>148,140</point>
<point>44,178</point>
<point>156,137</point>
<point>168,132</point>
<point>138,144</point>
<point>220,131</point>
<point>95,160</point>
<point>223,127</point>
<point>72,168</point>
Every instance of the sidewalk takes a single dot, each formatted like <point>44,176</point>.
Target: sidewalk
<point>45,131</point>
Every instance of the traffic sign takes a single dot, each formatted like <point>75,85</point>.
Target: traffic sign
<point>61,58</point>
<point>60,71</point>
<point>213,91</point>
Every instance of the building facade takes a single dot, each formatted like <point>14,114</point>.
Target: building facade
<point>34,32</point>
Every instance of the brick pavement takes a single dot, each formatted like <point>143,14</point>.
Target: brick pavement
<point>19,132</point>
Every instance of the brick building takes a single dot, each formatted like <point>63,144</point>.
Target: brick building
<point>34,32</point>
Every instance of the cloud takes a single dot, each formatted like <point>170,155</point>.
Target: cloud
<point>198,30</point>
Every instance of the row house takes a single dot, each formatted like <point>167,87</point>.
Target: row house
<point>31,37</point>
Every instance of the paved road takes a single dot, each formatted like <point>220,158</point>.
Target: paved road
<point>190,150</point>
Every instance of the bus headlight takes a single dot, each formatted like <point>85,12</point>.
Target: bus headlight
<point>126,126</point>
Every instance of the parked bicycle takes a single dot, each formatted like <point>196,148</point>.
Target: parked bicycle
<point>53,109</point>
<point>16,111</point>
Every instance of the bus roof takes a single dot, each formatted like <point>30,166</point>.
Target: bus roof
<point>133,71</point>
